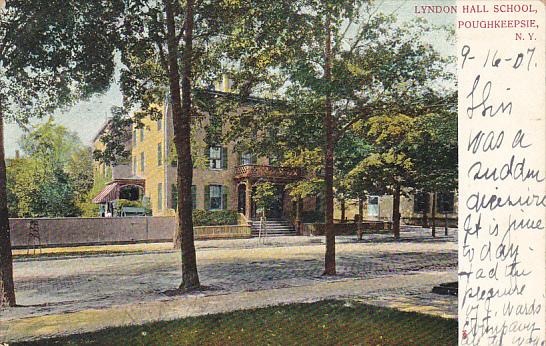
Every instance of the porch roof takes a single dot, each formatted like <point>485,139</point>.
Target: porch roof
<point>268,173</point>
<point>111,191</point>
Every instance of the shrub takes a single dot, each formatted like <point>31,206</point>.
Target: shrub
<point>214,217</point>
<point>312,217</point>
<point>120,203</point>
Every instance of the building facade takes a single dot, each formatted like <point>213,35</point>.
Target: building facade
<point>223,179</point>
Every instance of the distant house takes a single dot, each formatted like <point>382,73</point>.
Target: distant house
<point>416,209</point>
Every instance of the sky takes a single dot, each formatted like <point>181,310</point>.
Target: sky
<point>86,117</point>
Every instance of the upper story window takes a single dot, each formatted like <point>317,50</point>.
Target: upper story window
<point>142,134</point>
<point>247,159</point>
<point>159,124</point>
<point>215,157</point>
<point>134,165</point>
<point>134,137</point>
<point>159,154</point>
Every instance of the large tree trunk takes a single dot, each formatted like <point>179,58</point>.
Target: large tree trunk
<point>7,290</point>
<point>433,214</point>
<point>182,132</point>
<point>396,212</point>
<point>330,256</point>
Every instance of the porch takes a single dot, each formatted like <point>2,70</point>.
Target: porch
<point>247,176</point>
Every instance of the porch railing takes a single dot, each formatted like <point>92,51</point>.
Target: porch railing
<point>267,172</point>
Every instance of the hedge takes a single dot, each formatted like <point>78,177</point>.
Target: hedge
<point>214,217</point>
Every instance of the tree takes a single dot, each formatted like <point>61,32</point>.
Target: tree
<point>166,49</point>
<point>54,175</point>
<point>264,196</point>
<point>435,153</point>
<point>80,173</point>
<point>48,58</point>
<point>377,67</point>
<point>389,168</point>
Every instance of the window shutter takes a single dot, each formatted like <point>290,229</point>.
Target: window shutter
<point>224,197</point>
<point>224,158</point>
<point>206,155</point>
<point>207,197</point>
<point>193,197</point>
<point>174,196</point>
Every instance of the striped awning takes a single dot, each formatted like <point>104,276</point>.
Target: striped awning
<point>108,194</point>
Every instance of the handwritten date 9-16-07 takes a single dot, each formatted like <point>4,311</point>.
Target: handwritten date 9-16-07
<point>524,59</point>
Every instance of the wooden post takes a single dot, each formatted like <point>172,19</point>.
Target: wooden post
<point>360,231</point>
<point>433,214</point>
<point>396,212</point>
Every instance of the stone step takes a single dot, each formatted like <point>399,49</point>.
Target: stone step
<point>275,227</point>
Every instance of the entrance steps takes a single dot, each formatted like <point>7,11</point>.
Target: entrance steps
<point>275,227</point>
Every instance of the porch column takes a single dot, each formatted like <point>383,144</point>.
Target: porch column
<point>248,199</point>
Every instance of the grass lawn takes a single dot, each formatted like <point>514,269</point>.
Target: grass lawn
<point>321,323</point>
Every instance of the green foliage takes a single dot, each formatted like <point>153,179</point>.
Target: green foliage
<point>264,195</point>
<point>88,208</point>
<point>115,137</point>
<point>214,217</point>
<point>313,216</point>
<point>37,191</point>
<point>40,42</point>
<point>121,203</point>
<point>435,152</point>
<point>54,176</point>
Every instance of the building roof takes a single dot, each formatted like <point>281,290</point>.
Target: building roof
<point>101,129</point>
<point>111,191</point>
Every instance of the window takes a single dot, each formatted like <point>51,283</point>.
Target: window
<point>446,202</point>
<point>134,137</point>
<point>373,206</point>
<point>160,196</point>
<point>142,162</point>
<point>134,165</point>
<point>142,134</point>
<point>159,154</point>
<point>215,197</point>
<point>159,124</point>
<point>215,157</point>
<point>246,159</point>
